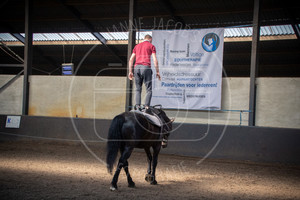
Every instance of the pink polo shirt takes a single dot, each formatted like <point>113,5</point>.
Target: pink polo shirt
<point>143,52</point>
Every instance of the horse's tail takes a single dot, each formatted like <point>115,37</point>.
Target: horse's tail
<point>113,143</point>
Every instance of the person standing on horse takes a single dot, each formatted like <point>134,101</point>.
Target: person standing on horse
<point>142,69</point>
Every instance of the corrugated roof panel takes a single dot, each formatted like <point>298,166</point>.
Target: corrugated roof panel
<point>237,32</point>
<point>276,30</point>
<point>249,31</point>
<point>111,36</point>
<point>7,37</point>
<point>263,31</point>
<point>119,35</point>
<point>115,35</point>
<point>229,32</point>
<point>39,37</point>
<point>63,36</point>
<point>246,32</point>
<point>290,29</point>
<point>86,36</point>
<point>268,30</point>
<point>242,32</point>
<point>69,36</point>
<point>226,33</point>
<point>282,29</point>
<point>285,29</point>
<point>53,37</point>
<point>232,31</point>
<point>122,35</point>
<point>107,36</point>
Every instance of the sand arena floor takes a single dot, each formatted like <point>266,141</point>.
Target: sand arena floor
<point>51,170</point>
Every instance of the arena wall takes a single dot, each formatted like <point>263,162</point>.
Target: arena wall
<point>278,102</point>
<point>242,143</point>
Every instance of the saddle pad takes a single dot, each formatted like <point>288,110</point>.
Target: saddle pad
<point>153,119</point>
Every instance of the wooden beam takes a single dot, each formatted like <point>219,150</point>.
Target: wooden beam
<point>27,55</point>
<point>131,44</point>
<point>76,14</point>
<point>254,62</point>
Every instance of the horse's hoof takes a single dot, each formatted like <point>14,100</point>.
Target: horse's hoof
<point>113,187</point>
<point>131,185</point>
<point>149,178</point>
<point>154,182</point>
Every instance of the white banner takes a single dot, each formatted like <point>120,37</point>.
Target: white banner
<point>190,64</point>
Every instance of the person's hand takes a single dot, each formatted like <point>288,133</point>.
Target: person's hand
<point>130,76</point>
<point>158,76</point>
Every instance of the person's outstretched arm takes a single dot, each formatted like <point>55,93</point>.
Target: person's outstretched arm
<point>130,65</point>
<point>156,65</point>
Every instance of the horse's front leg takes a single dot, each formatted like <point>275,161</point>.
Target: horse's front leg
<point>149,158</point>
<point>148,176</point>
<point>156,150</point>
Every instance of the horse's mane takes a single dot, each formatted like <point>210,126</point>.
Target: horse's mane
<point>157,109</point>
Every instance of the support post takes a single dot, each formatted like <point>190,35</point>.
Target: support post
<point>27,55</point>
<point>131,44</point>
<point>296,30</point>
<point>254,62</point>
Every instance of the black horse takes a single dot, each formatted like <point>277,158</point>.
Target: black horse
<point>131,130</point>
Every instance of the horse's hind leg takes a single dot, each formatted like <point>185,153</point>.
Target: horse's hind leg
<point>122,162</point>
<point>129,179</point>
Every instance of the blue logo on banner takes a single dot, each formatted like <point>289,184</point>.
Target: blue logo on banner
<point>210,42</point>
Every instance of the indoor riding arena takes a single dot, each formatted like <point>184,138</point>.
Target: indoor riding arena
<point>230,80</point>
